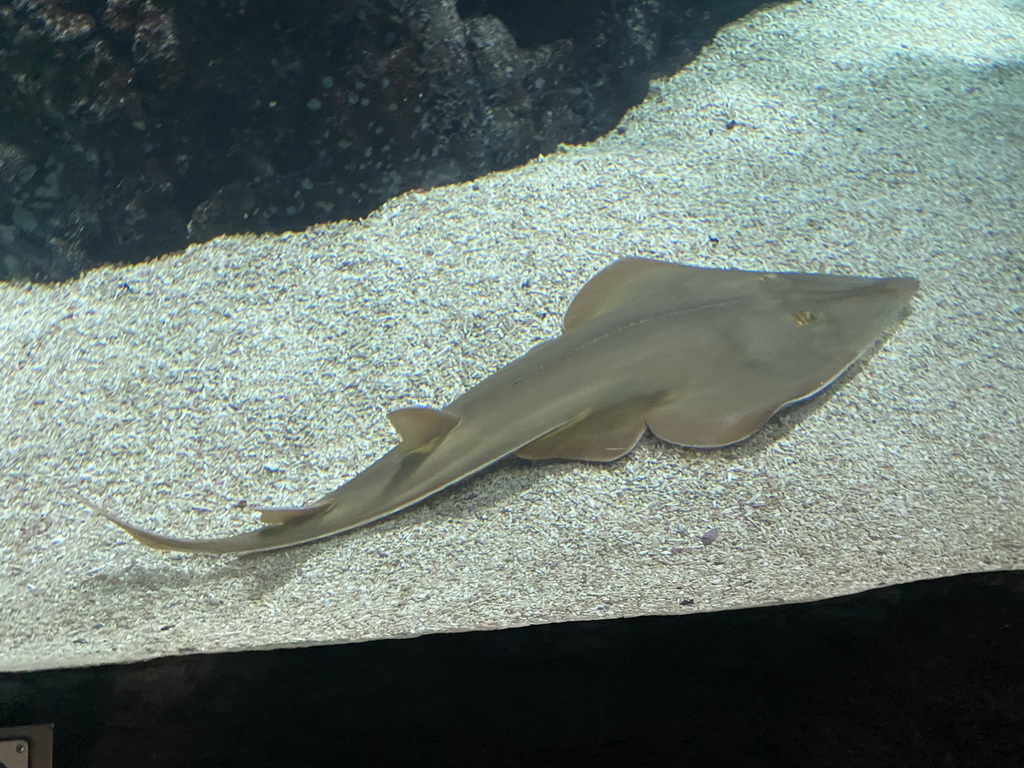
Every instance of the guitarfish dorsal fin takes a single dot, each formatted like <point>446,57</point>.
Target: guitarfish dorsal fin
<point>421,429</point>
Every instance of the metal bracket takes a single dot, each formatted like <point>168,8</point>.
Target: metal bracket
<point>29,746</point>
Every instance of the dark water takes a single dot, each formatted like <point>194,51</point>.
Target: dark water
<point>928,674</point>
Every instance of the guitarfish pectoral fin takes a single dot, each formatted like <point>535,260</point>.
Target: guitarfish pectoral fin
<point>421,429</point>
<point>626,282</point>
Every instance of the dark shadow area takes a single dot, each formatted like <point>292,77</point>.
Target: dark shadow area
<point>926,674</point>
<point>130,129</point>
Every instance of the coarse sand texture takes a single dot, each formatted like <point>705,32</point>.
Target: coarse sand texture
<point>869,137</point>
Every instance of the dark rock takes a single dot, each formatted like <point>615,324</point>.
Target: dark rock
<point>130,127</point>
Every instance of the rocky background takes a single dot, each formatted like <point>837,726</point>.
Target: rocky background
<point>129,128</point>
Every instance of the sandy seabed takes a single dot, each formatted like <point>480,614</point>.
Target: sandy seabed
<point>874,137</point>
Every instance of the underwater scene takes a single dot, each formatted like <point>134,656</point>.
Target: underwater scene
<point>372,319</point>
